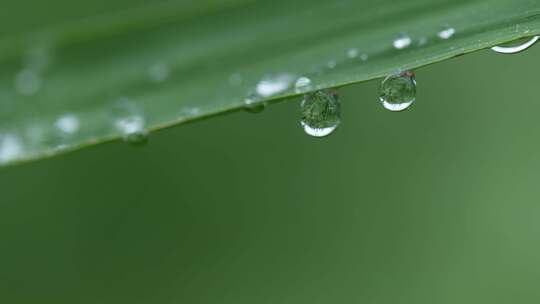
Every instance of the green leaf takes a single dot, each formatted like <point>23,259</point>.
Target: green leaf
<point>78,74</point>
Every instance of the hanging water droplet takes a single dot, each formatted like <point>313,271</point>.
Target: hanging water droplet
<point>352,53</point>
<point>158,72</point>
<point>402,41</point>
<point>321,113</point>
<point>302,85</point>
<point>254,104</point>
<point>512,49</point>
<point>27,82</point>
<point>398,91</point>
<point>68,124</point>
<point>11,148</point>
<point>273,85</point>
<point>446,33</point>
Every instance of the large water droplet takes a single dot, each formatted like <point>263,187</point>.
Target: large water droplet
<point>446,33</point>
<point>398,92</point>
<point>254,104</point>
<point>512,49</point>
<point>302,85</point>
<point>273,85</point>
<point>402,41</point>
<point>321,113</point>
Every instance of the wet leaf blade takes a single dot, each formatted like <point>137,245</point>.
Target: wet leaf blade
<point>171,62</point>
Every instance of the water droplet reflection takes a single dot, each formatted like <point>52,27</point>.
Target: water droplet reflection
<point>513,49</point>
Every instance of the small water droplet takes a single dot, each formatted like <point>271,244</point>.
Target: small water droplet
<point>402,41</point>
<point>422,41</point>
<point>254,104</point>
<point>158,72</point>
<point>27,82</point>
<point>273,85</point>
<point>133,129</point>
<point>512,49</point>
<point>398,91</point>
<point>302,85</point>
<point>68,124</point>
<point>191,111</point>
<point>364,57</point>
<point>331,64</point>
<point>352,53</point>
<point>130,122</point>
<point>11,148</point>
<point>321,113</point>
<point>446,33</point>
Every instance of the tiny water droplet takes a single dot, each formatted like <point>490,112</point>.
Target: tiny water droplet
<point>192,111</point>
<point>422,41</point>
<point>68,124</point>
<point>364,57</point>
<point>272,85</point>
<point>446,33</point>
<point>352,53</point>
<point>158,72</point>
<point>398,91</point>
<point>235,79</point>
<point>11,147</point>
<point>331,64</point>
<point>130,122</point>
<point>402,41</point>
<point>321,113</point>
<point>254,104</point>
<point>512,49</point>
<point>302,85</point>
<point>27,82</point>
<point>133,130</point>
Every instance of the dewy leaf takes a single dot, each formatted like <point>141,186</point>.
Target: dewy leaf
<point>74,74</point>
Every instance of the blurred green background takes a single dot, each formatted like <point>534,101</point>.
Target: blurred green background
<point>438,204</point>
